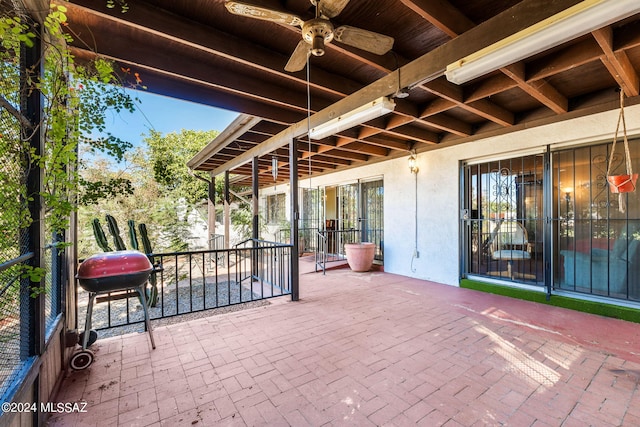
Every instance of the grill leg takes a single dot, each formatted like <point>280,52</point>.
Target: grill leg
<point>87,321</point>
<point>147,322</point>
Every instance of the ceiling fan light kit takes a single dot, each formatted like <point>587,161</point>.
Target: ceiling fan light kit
<point>316,33</point>
<point>362,114</point>
<point>582,18</point>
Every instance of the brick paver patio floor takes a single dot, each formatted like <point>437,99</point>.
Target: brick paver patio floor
<point>369,349</point>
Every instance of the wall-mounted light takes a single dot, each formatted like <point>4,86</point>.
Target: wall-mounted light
<point>580,19</point>
<point>413,162</point>
<point>362,114</point>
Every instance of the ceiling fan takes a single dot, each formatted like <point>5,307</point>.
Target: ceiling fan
<point>318,31</point>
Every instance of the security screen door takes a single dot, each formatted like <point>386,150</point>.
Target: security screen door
<point>504,219</point>
<point>551,220</point>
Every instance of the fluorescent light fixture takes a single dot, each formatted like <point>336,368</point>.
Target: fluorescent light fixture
<point>369,111</point>
<point>584,17</point>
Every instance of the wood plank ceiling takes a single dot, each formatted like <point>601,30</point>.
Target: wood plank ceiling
<point>197,50</point>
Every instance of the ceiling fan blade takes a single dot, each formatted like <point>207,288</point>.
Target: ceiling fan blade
<point>256,12</point>
<point>332,8</point>
<point>363,39</point>
<point>299,57</point>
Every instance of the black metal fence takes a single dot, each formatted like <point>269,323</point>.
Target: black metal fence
<point>307,241</point>
<point>216,242</point>
<point>187,282</point>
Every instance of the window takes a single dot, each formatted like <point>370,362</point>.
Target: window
<point>276,210</point>
<point>597,233</point>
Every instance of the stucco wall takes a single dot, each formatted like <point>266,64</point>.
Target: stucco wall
<point>438,191</point>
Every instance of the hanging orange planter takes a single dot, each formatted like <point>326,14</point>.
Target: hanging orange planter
<point>622,183</point>
<point>625,183</point>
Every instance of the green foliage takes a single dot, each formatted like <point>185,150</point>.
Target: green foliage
<point>124,6</point>
<point>169,155</point>
<point>14,32</point>
<point>77,99</point>
<point>34,274</point>
<point>242,220</point>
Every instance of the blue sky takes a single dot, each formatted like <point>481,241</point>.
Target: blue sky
<point>166,115</point>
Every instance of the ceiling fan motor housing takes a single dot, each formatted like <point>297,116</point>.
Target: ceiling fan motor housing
<point>317,32</point>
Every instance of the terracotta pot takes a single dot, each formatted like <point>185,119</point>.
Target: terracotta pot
<point>360,255</point>
<point>622,183</point>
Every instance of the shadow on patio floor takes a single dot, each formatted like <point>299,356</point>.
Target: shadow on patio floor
<point>369,349</point>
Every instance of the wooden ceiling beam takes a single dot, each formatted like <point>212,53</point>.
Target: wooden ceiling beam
<point>392,126</point>
<point>253,138</point>
<point>449,124</point>
<point>581,53</point>
<point>408,113</point>
<point>436,106</point>
<point>336,161</point>
<point>483,108</point>
<point>170,84</point>
<point>442,15</point>
<point>249,89</point>
<point>490,86</point>
<point>538,89</point>
<point>566,59</point>
<point>414,133</point>
<point>492,112</point>
<point>617,63</point>
<point>153,20</point>
<point>361,147</point>
<point>346,155</point>
<point>303,146</point>
<point>265,127</point>
<point>283,169</point>
<point>421,70</point>
<point>389,145</point>
<point>451,21</point>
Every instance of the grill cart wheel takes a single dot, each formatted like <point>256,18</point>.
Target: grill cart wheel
<point>81,360</point>
<point>93,337</point>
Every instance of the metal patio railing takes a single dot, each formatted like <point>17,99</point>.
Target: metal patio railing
<point>216,243</point>
<point>307,241</point>
<point>188,282</point>
<point>330,244</point>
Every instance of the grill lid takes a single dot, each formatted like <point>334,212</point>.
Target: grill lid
<point>111,264</point>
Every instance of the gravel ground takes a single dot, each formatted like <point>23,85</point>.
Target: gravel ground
<point>223,298</point>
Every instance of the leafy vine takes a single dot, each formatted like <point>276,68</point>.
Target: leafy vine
<point>77,100</point>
